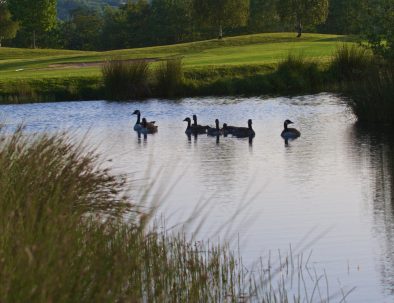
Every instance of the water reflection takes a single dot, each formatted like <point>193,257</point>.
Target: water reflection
<point>376,147</point>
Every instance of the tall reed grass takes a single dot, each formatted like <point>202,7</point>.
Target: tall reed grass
<point>371,98</point>
<point>69,234</point>
<point>169,77</point>
<point>351,63</point>
<point>297,74</point>
<point>125,80</point>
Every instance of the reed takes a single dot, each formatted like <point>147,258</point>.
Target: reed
<point>70,234</point>
<point>125,80</point>
<point>351,62</point>
<point>169,76</point>
<point>371,98</point>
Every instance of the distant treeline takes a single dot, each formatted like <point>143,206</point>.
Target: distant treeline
<point>114,24</point>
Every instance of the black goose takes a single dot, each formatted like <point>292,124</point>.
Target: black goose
<point>289,133</point>
<point>198,129</point>
<point>137,125</point>
<point>188,130</point>
<point>214,131</point>
<point>243,132</point>
<point>227,129</point>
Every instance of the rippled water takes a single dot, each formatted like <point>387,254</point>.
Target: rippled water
<point>330,191</point>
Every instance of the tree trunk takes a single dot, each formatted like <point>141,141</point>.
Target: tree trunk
<point>299,29</point>
<point>220,32</point>
<point>34,39</point>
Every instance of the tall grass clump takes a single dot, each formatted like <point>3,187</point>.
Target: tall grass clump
<point>69,234</point>
<point>169,76</point>
<point>124,80</point>
<point>296,74</point>
<point>372,97</point>
<point>351,63</point>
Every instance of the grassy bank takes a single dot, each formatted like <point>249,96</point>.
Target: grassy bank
<point>236,65</point>
<point>65,238</point>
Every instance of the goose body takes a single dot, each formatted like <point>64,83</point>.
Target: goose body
<point>214,131</point>
<point>289,133</point>
<point>148,127</point>
<point>228,129</point>
<point>196,128</point>
<point>243,132</point>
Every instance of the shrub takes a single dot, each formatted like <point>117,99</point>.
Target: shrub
<point>169,76</point>
<point>295,74</point>
<point>372,98</point>
<point>125,80</point>
<point>351,62</point>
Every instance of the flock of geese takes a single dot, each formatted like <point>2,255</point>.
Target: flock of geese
<point>144,127</point>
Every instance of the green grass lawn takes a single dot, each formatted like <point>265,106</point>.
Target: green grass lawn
<point>260,49</point>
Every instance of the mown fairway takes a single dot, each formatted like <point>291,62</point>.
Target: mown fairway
<point>261,49</point>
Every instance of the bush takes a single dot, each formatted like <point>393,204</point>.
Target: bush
<point>69,235</point>
<point>372,98</point>
<point>169,76</point>
<point>351,62</point>
<point>124,80</point>
<point>295,74</point>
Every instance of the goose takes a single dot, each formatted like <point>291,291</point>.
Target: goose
<point>188,130</point>
<point>289,133</point>
<point>137,125</point>
<point>198,129</point>
<point>243,132</point>
<point>148,127</point>
<point>227,129</point>
<point>214,131</point>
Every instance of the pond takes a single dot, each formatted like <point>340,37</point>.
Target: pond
<point>329,192</point>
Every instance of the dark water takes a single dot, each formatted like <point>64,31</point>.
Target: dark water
<point>330,191</point>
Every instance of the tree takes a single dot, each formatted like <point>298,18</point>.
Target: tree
<point>377,26</point>
<point>303,12</point>
<point>34,16</point>
<point>83,30</point>
<point>263,16</point>
<point>171,21</point>
<point>221,13</point>
<point>8,27</point>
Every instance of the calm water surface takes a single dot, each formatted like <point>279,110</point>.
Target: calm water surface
<point>330,191</point>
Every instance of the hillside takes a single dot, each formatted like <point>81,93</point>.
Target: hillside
<point>249,50</point>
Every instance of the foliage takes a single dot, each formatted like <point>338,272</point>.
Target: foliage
<point>125,80</point>
<point>378,21</point>
<point>303,12</point>
<point>263,16</point>
<point>352,62</point>
<point>69,234</point>
<point>34,16</point>
<point>372,97</point>
<point>169,77</point>
<point>344,17</point>
<point>8,27</point>
<point>82,30</point>
<point>221,13</point>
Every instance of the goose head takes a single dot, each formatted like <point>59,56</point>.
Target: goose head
<point>144,122</point>
<point>187,120</point>
<point>136,112</point>
<point>287,122</point>
<point>250,123</point>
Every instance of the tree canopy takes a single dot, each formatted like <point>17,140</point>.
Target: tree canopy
<point>303,12</point>
<point>8,27</point>
<point>222,13</point>
<point>35,16</point>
